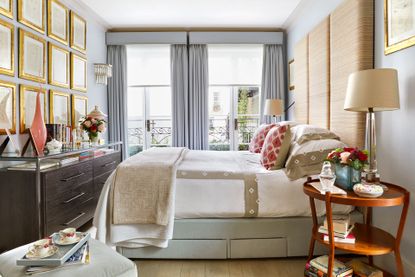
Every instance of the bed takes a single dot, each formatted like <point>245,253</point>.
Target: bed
<point>225,204</point>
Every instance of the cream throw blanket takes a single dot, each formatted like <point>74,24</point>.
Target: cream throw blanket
<point>143,188</point>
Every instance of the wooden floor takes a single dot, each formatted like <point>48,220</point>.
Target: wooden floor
<point>221,268</point>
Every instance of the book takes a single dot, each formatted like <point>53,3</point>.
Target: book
<point>339,268</point>
<point>314,272</point>
<point>323,230</point>
<point>340,223</point>
<point>349,239</point>
<point>69,160</point>
<point>362,269</point>
<point>334,189</point>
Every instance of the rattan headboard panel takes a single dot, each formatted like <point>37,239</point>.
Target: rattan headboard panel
<point>351,47</point>
<point>301,81</point>
<point>319,75</point>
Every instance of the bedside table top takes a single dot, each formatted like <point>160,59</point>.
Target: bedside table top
<point>394,196</point>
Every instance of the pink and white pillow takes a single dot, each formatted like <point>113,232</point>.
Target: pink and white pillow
<point>276,146</point>
<point>260,134</point>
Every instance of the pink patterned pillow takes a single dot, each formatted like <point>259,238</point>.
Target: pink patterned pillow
<point>276,146</point>
<point>260,134</point>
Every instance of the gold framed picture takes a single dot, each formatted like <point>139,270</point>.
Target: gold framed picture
<point>79,108</point>
<point>291,75</point>
<point>58,16</point>
<point>58,63</point>
<point>59,108</point>
<point>8,106</point>
<point>32,14</point>
<point>27,98</point>
<point>6,48</point>
<point>78,73</point>
<point>6,8</point>
<point>78,32</point>
<point>399,17</point>
<point>32,57</point>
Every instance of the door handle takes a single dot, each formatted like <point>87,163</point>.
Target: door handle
<point>148,125</point>
<point>235,121</point>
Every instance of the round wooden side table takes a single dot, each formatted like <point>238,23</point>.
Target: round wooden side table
<point>370,240</point>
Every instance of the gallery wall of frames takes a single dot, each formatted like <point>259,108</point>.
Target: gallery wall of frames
<point>43,48</point>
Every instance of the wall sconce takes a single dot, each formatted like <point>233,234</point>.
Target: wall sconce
<point>102,73</point>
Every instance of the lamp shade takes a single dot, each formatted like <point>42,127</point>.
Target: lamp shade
<point>273,107</point>
<point>373,88</point>
<point>96,113</point>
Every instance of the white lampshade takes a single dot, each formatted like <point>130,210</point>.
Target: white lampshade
<point>273,107</point>
<point>373,88</point>
<point>96,113</point>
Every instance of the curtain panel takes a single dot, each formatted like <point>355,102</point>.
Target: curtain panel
<point>117,96</point>
<point>273,80</point>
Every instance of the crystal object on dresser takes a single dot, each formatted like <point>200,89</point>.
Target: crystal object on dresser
<point>327,177</point>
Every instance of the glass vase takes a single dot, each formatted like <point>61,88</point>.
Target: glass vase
<point>347,176</point>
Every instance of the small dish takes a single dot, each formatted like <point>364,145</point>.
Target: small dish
<point>60,241</point>
<point>53,249</point>
<point>368,191</point>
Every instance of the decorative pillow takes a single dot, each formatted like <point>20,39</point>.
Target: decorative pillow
<point>307,159</point>
<point>276,147</point>
<point>260,134</point>
<point>304,132</point>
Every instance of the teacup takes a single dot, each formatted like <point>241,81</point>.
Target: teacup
<point>68,235</point>
<point>40,248</point>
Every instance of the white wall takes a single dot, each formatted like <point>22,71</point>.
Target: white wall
<point>395,130</point>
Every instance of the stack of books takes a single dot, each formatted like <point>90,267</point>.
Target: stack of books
<point>318,267</point>
<point>360,269</point>
<point>342,227</point>
<point>69,160</point>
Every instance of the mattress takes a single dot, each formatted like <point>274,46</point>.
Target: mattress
<point>209,185</point>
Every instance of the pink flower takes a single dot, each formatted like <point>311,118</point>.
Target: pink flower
<point>344,157</point>
<point>93,121</point>
<point>101,128</point>
<point>87,123</point>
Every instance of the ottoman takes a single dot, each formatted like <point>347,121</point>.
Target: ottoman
<point>104,262</point>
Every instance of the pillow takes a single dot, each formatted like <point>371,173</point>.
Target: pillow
<point>304,132</point>
<point>276,147</point>
<point>260,134</point>
<point>307,159</point>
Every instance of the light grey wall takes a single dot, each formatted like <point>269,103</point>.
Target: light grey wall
<point>395,130</point>
<point>96,53</point>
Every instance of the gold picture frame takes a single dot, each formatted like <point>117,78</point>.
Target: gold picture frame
<point>291,75</point>
<point>25,7</point>
<point>399,33</point>
<point>6,11</point>
<point>75,111</point>
<point>57,116</point>
<point>27,60</point>
<point>28,107</point>
<point>12,86</point>
<point>7,46</point>
<point>58,66</point>
<point>78,73</point>
<point>58,23</point>
<point>78,32</point>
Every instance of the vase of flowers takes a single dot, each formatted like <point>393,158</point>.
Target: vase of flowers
<point>93,127</point>
<point>349,163</point>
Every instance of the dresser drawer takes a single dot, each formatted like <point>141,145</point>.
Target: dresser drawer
<point>67,178</point>
<point>107,163</point>
<point>100,181</point>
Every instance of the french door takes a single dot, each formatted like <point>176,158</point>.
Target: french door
<point>233,116</point>
<point>149,117</point>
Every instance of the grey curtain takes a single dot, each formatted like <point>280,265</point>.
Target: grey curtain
<point>117,95</point>
<point>180,94</point>
<point>273,82</point>
<point>198,97</point>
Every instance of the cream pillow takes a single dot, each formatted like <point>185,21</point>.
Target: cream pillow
<point>304,132</point>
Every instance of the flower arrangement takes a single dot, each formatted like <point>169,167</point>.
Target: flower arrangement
<point>347,156</point>
<point>93,126</point>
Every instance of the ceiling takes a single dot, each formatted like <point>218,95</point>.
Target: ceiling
<point>193,13</point>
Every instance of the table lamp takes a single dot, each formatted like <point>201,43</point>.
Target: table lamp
<point>371,91</point>
<point>273,107</point>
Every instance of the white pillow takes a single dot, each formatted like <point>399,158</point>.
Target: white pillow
<point>304,132</point>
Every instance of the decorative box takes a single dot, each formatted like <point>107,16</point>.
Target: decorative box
<point>347,176</point>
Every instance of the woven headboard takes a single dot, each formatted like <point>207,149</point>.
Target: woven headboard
<point>338,46</point>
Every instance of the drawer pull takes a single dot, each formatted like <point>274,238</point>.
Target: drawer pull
<point>74,219</point>
<point>72,177</point>
<point>89,199</point>
<point>73,198</point>
<point>108,164</point>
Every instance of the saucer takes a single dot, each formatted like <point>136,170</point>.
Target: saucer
<point>60,241</point>
<point>52,251</point>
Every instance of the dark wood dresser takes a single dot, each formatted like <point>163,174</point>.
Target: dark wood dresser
<point>68,198</point>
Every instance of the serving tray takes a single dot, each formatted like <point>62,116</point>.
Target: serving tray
<point>63,254</point>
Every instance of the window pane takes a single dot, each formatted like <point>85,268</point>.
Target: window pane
<point>235,64</point>
<point>219,117</point>
<point>160,116</point>
<point>148,64</point>
<point>248,115</point>
<point>135,120</point>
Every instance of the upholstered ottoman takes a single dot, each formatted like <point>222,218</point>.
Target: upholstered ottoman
<point>105,262</point>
